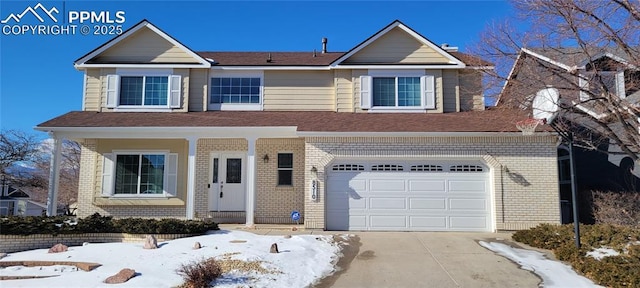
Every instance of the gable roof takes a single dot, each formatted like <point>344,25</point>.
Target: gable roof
<point>576,58</point>
<point>83,61</point>
<point>397,24</point>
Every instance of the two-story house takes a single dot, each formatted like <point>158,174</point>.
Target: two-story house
<point>581,77</point>
<point>390,135</point>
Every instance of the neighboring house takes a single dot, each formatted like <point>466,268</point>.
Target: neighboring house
<point>390,135</point>
<point>16,202</point>
<point>568,69</point>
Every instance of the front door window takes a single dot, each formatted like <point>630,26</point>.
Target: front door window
<point>234,170</point>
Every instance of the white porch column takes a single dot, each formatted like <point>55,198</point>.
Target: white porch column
<point>54,175</point>
<point>191,177</point>
<point>251,181</point>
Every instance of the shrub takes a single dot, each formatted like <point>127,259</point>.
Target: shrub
<point>200,274</point>
<point>617,208</point>
<point>612,271</point>
<point>100,224</point>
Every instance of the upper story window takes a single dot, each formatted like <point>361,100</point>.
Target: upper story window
<point>236,91</point>
<point>143,89</point>
<point>402,91</point>
<point>602,82</point>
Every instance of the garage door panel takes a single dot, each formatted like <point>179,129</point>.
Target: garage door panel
<point>427,186</point>
<point>387,185</point>
<point>387,203</point>
<point>360,203</point>
<point>408,200</point>
<point>467,186</point>
<point>387,221</point>
<point>468,204</point>
<point>428,223</point>
<point>469,223</point>
<point>428,203</point>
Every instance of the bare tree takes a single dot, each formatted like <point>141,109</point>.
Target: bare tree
<point>579,47</point>
<point>17,147</point>
<point>69,173</point>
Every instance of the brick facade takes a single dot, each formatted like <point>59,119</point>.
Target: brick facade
<point>523,170</point>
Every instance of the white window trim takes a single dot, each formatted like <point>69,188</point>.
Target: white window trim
<point>278,169</point>
<point>136,72</point>
<point>166,175</point>
<point>214,73</point>
<point>422,74</point>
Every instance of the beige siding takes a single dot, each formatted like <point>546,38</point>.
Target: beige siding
<point>471,95</point>
<point>90,183</point>
<point>344,91</point>
<point>397,46</point>
<point>92,89</point>
<point>144,46</point>
<point>299,90</point>
<point>450,91</point>
<point>523,196</point>
<point>198,89</point>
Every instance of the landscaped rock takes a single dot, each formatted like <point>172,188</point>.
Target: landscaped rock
<point>274,248</point>
<point>58,248</point>
<point>287,236</point>
<point>2,255</point>
<point>123,276</point>
<point>197,246</point>
<point>150,242</point>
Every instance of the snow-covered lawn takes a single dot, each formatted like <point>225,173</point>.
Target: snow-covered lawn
<point>303,260</point>
<point>553,273</point>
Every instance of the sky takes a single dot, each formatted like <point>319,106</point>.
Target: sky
<point>38,81</point>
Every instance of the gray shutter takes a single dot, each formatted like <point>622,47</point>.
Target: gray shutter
<point>113,87</point>
<point>174,91</point>
<point>428,91</point>
<point>365,92</point>
<point>107,175</point>
<point>171,187</point>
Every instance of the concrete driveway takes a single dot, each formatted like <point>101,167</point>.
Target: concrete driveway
<point>419,259</point>
<point>427,259</point>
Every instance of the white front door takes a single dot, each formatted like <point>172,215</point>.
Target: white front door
<point>227,181</point>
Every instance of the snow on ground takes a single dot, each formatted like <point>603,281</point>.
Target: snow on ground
<point>303,259</point>
<point>602,252</point>
<point>553,273</point>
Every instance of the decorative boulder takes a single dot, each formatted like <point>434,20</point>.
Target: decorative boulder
<point>2,255</point>
<point>197,246</point>
<point>150,242</point>
<point>288,236</point>
<point>123,276</point>
<point>58,248</point>
<point>274,248</point>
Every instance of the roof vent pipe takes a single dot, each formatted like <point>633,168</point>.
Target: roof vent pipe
<point>324,45</point>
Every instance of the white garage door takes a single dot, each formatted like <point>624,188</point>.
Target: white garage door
<point>408,196</point>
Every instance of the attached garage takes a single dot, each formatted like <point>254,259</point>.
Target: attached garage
<point>408,196</point>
